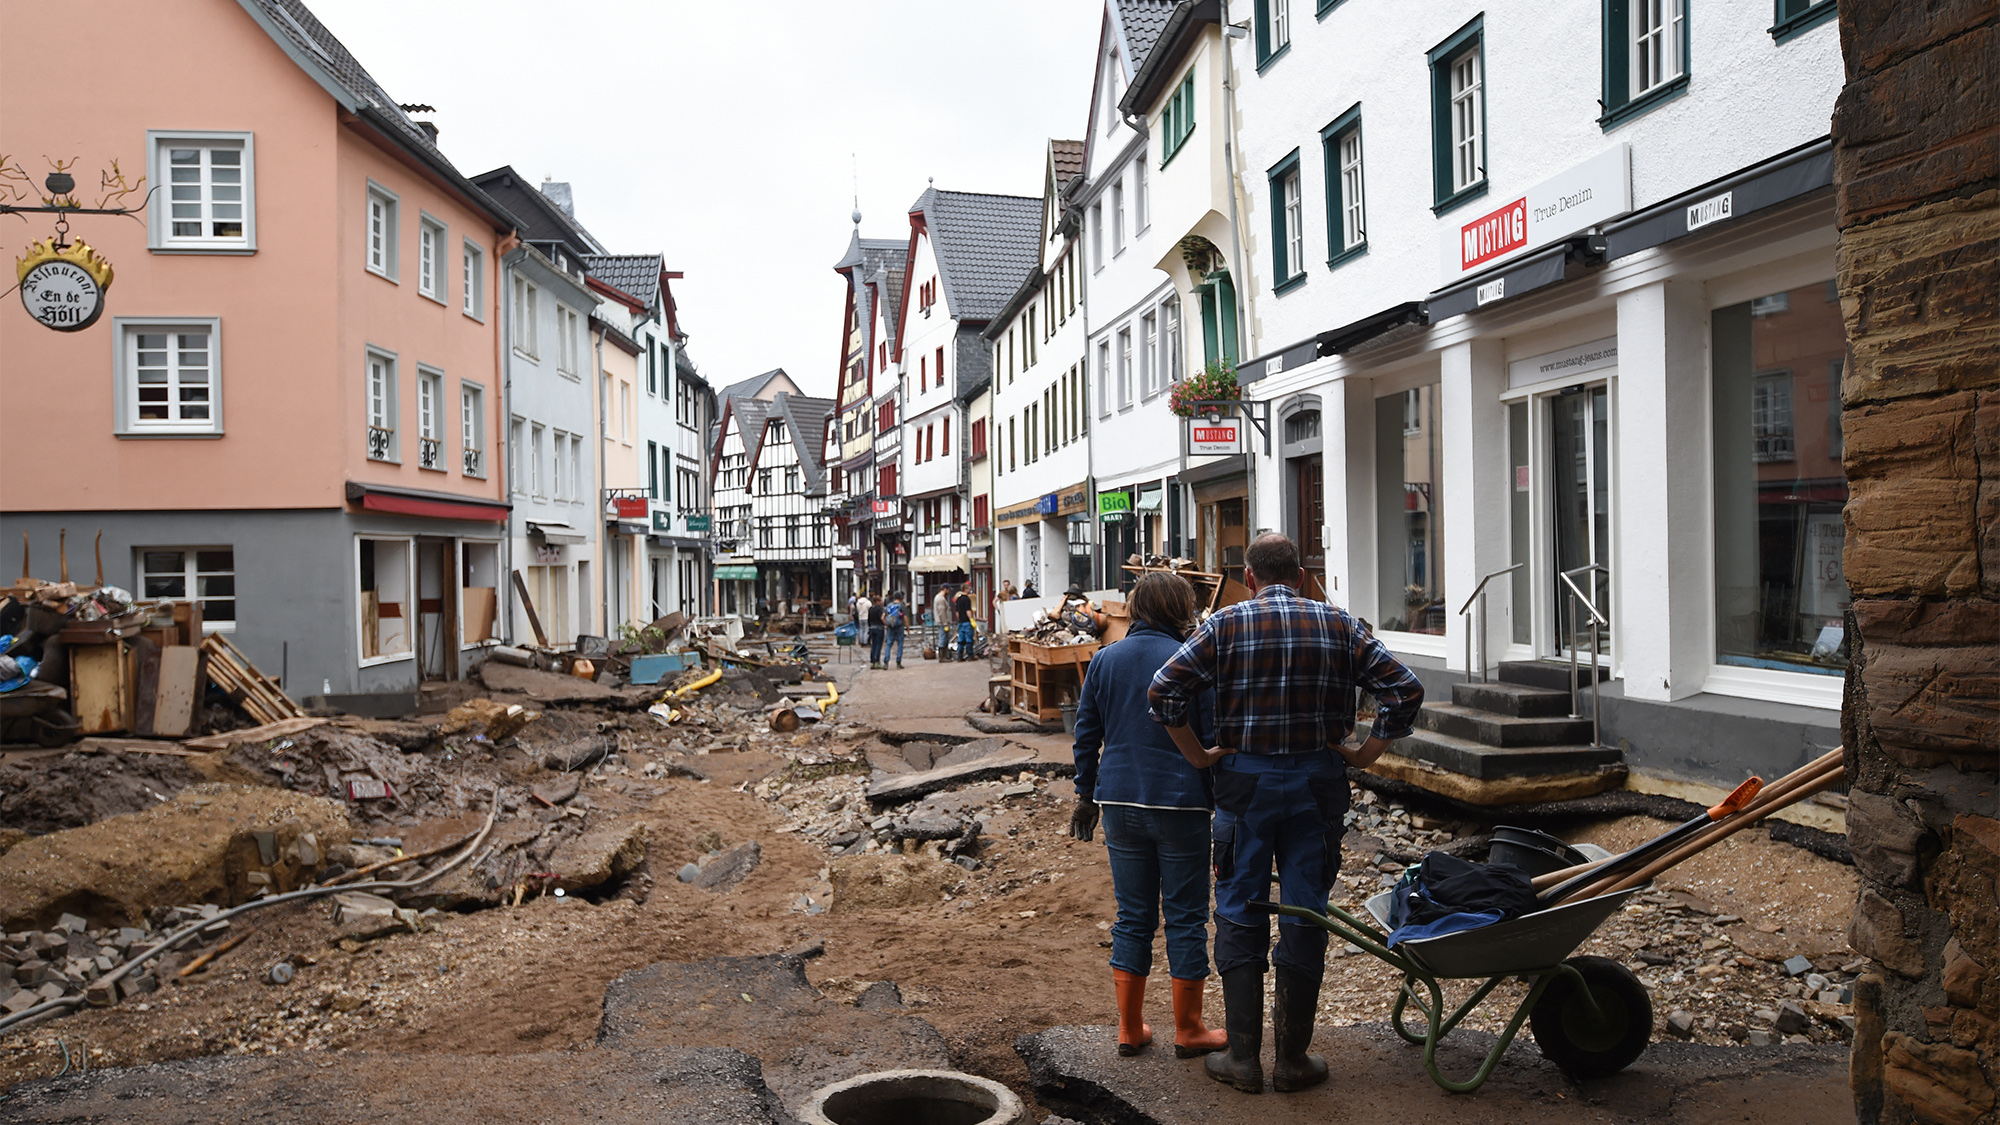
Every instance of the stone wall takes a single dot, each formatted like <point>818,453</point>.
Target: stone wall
<point>1917,167</point>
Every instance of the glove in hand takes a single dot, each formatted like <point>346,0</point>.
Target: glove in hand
<point>1083,822</point>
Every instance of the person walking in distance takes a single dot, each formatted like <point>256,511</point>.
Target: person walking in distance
<point>941,617</point>
<point>961,609</point>
<point>895,619</point>
<point>1284,670</point>
<point>875,634</point>
<point>1155,807</point>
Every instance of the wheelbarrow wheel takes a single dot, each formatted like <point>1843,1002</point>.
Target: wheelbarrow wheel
<point>1589,1042</point>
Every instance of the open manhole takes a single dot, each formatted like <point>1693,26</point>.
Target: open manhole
<point>914,1097</point>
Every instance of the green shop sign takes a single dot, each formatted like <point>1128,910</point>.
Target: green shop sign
<point>1114,506</point>
<point>698,523</point>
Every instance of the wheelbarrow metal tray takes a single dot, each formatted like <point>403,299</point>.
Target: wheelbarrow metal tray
<point>1533,941</point>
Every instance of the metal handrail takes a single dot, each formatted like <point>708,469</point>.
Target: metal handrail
<point>1479,595</point>
<point>1597,619</point>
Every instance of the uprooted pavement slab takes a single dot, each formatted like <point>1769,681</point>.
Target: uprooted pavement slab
<point>1377,1077</point>
<point>919,768</point>
<point>764,1007</point>
<point>703,1085</point>
<point>211,843</point>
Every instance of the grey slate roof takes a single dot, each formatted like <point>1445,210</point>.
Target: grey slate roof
<point>1143,20</point>
<point>806,419</point>
<point>985,244</point>
<point>635,274</point>
<point>307,39</point>
<point>878,262</point>
<point>540,220</point>
<point>752,387</point>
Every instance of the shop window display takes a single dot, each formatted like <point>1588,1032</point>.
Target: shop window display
<point>1780,592</point>
<point>1409,519</point>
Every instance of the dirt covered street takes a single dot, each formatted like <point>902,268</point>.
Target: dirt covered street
<point>713,837</point>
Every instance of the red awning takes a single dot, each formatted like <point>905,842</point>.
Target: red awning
<point>434,505</point>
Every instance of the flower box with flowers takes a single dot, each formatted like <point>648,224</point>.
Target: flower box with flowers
<point>1213,383</point>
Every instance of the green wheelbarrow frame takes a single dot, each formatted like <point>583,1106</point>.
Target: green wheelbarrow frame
<point>1533,946</point>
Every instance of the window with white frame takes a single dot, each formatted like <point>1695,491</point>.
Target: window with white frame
<point>558,482</point>
<point>1288,239</point>
<point>1466,120</point>
<point>1142,216</point>
<point>1346,202</point>
<point>430,258</point>
<point>472,285</point>
<point>472,429</point>
<point>1274,29</point>
<point>1097,235</point>
<point>576,465</point>
<point>1170,335</point>
<point>538,468</point>
<point>1149,354</point>
<point>430,419</point>
<point>569,346</point>
<point>1118,216</point>
<point>210,198</point>
<point>169,376</point>
<point>1657,27</point>
<point>206,575</point>
<point>1104,394</point>
<point>527,318</point>
<point>381,248</point>
<point>1458,116</point>
<point>517,451</point>
<point>380,375</point>
<point>1125,367</point>
<point>384,604</point>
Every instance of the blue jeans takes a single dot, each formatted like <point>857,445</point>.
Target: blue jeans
<point>1159,865</point>
<point>894,640</point>
<point>1283,811</point>
<point>874,644</point>
<point>965,640</point>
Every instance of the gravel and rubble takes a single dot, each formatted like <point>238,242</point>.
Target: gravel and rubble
<point>712,835</point>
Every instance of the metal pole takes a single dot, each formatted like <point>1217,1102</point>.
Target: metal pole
<point>1594,739</point>
<point>1573,712</point>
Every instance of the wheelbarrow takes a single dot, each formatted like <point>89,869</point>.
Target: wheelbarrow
<point>1590,1015</point>
<point>37,710</point>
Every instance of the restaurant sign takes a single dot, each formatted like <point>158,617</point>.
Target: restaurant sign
<point>62,286</point>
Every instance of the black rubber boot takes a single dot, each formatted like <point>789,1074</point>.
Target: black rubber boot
<point>1241,1064</point>
<point>1293,1006</point>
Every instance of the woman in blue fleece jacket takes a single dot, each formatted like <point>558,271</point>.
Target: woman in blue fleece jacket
<point>1156,811</point>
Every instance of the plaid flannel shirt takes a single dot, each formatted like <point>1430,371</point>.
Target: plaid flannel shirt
<point>1284,670</point>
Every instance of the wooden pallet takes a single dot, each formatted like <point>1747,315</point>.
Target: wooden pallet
<point>260,697</point>
<point>1046,675</point>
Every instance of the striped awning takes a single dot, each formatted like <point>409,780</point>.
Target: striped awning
<point>736,574</point>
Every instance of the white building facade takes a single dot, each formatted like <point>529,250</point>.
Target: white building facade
<point>1523,320</point>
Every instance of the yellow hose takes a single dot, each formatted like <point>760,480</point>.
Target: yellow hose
<point>689,689</point>
<point>832,697</point>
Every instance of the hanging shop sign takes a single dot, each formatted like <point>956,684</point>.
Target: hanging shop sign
<point>663,522</point>
<point>630,507</point>
<point>1206,437</point>
<point>881,508</point>
<point>62,286</point>
<point>1114,506</point>
<point>1595,191</point>
<point>700,522</point>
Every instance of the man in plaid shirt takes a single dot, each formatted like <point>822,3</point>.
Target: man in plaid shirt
<point>1284,669</point>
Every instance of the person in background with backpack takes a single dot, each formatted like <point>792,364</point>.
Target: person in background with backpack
<point>895,619</point>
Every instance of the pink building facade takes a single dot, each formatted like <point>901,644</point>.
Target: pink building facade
<point>291,406</point>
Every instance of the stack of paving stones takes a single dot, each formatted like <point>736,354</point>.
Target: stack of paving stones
<point>37,966</point>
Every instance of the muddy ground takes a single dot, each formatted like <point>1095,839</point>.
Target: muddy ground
<point>1017,945</point>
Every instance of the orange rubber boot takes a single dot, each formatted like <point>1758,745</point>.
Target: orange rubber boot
<point>1133,1034</point>
<point>1191,1036</point>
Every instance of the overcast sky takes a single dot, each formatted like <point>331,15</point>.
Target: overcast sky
<point>719,133</point>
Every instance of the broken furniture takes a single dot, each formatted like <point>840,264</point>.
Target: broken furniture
<point>1045,677</point>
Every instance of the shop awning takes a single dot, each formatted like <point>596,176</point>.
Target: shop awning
<point>421,502</point>
<point>1521,275</point>
<point>934,564</point>
<point>1334,341</point>
<point>1150,501</point>
<point>1718,204</point>
<point>736,574</point>
<point>556,533</point>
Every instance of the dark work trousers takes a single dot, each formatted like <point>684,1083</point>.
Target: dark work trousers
<point>1283,811</point>
<point>874,644</point>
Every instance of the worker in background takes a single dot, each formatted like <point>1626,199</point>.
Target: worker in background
<point>1284,669</point>
<point>941,618</point>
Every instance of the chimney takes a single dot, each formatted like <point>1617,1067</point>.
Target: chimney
<point>430,130</point>
<point>558,193</point>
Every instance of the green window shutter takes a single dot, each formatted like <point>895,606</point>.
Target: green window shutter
<point>1210,330</point>
<point>1617,54</point>
<point>1263,22</point>
<point>1225,299</point>
<point>1468,37</point>
<point>1281,270</point>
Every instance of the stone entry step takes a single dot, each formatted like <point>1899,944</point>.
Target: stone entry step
<point>1522,700</point>
<point>1552,675</point>
<point>1499,729</point>
<point>1486,763</point>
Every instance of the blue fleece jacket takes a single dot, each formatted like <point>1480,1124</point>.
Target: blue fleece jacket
<point>1140,763</point>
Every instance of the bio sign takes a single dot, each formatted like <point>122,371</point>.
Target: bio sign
<point>62,287</point>
<point>1593,192</point>
<point>1114,506</point>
